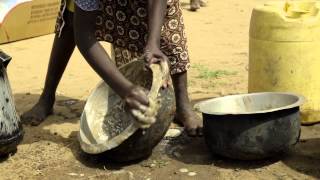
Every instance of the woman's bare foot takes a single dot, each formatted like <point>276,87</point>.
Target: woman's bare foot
<point>194,5</point>
<point>203,3</point>
<point>185,115</point>
<point>39,112</point>
<point>190,120</point>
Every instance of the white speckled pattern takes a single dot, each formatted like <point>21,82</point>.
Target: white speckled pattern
<point>87,5</point>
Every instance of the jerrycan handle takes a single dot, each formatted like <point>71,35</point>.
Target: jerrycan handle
<point>294,9</point>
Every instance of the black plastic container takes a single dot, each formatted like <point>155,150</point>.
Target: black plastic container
<point>11,131</point>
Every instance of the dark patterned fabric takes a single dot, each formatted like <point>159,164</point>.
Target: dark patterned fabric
<point>124,24</point>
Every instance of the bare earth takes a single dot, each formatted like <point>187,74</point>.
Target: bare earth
<point>218,41</point>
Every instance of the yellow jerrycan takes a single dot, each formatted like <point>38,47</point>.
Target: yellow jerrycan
<point>284,52</point>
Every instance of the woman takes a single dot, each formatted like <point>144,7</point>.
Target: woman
<point>153,28</point>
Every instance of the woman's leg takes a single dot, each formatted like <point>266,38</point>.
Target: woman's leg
<point>194,5</point>
<point>203,3</point>
<point>61,52</point>
<point>185,114</point>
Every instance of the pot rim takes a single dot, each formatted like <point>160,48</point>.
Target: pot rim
<point>298,103</point>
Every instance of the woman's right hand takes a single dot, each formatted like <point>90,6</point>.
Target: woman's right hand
<point>138,104</point>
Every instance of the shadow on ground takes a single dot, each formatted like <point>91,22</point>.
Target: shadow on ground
<point>194,151</point>
<point>67,110</point>
<point>305,158</point>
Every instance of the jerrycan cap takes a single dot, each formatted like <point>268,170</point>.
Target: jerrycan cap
<point>295,9</point>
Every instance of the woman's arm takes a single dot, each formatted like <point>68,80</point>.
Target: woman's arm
<point>97,57</point>
<point>156,13</point>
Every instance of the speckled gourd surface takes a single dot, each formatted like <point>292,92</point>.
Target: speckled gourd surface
<point>107,128</point>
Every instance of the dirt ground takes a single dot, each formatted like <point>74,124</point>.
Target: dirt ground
<point>218,42</point>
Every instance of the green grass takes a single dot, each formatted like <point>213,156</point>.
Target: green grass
<point>191,82</point>
<point>206,73</point>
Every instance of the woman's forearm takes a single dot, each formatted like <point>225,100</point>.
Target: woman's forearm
<point>95,54</point>
<point>156,11</point>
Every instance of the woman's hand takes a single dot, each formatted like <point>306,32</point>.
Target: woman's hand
<point>136,98</point>
<point>156,11</point>
<point>153,54</point>
<point>138,105</point>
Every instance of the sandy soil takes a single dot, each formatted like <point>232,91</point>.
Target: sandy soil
<point>218,41</point>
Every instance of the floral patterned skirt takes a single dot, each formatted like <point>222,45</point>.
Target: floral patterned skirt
<point>124,23</point>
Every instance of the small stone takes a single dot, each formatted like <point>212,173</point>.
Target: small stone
<point>192,174</point>
<point>70,102</point>
<point>143,132</point>
<point>183,170</point>
<point>81,175</point>
<point>172,133</point>
<point>152,165</point>
<point>119,172</point>
<point>176,154</point>
<point>131,175</point>
<point>72,174</point>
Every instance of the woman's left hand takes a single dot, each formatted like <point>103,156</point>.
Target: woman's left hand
<point>153,55</point>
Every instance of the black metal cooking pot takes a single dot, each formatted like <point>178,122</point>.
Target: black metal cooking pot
<point>251,126</point>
